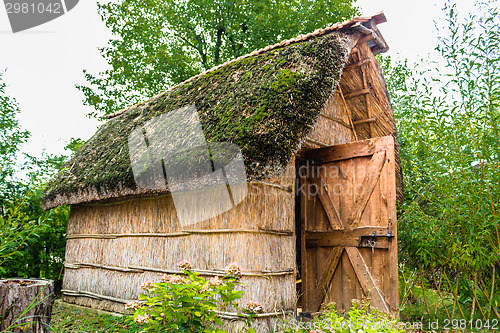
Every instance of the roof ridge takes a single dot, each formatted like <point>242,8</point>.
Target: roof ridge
<point>379,18</point>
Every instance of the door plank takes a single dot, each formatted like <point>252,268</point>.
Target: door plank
<point>306,256</point>
<point>366,279</point>
<point>326,276</point>
<point>369,182</point>
<point>350,284</point>
<point>326,201</point>
<point>335,292</point>
<point>392,258</point>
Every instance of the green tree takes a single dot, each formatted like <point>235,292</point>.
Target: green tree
<point>11,137</point>
<point>448,117</point>
<point>32,241</point>
<point>41,253</point>
<point>159,43</point>
<point>14,228</point>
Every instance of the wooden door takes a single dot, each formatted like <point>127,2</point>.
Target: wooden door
<point>348,225</point>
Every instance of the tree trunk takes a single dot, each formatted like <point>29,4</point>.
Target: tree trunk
<point>27,302</point>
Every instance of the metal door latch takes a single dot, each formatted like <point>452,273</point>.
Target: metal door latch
<point>370,240</point>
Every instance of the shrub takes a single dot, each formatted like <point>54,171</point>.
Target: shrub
<point>360,318</point>
<point>190,303</point>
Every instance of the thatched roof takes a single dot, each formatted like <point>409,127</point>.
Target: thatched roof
<point>265,102</point>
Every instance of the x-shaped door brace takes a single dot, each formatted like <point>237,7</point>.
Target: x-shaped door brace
<point>358,263</point>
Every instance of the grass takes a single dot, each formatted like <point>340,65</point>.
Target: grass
<point>419,302</point>
<point>70,318</point>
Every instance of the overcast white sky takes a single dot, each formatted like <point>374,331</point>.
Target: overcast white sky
<point>44,63</point>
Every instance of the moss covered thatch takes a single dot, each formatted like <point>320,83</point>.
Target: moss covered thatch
<point>266,103</point>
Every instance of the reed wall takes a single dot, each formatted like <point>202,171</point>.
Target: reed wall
<point>112,248</point>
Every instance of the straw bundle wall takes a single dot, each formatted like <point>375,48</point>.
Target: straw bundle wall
<point>113,248</point>
<point>157,215</point>
<point>378,104</point>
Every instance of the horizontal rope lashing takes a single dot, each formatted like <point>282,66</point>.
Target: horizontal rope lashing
<point>357,93</point>
<point>92,295</point>
<point>357,64</point>
<point>224,315</point>
<point>234,315</point>
<point>364,121</point>
<point>106,267</point>
<point>140,269</point>
<point>183,233</point>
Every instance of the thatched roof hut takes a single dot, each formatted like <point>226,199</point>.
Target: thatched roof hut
<point>313,91</point>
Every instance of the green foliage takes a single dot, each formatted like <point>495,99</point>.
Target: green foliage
<point>361,317</point>
<point>74,144</point>
<point>187,303</point>
<point>448,123</point>
<point>37,247</point>
<point>159,43</point>
<point>11,137</point>
<point>32,241</point>
<point>15,229</point>
<point>41,252</point>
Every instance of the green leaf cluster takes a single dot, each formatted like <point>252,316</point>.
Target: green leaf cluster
<point>11,136</point>
<point>448,115</point>
<point>361,317</point>
<point>190,304</point>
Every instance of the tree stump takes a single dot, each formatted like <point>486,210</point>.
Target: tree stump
<point>16,295</point>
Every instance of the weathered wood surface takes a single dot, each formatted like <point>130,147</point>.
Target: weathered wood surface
<point>349,193</point>
<point>16,295</point>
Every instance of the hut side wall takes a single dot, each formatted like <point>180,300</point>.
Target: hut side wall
<point>332,126</point>
<point>366,96</point>
<point>113,248</point>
